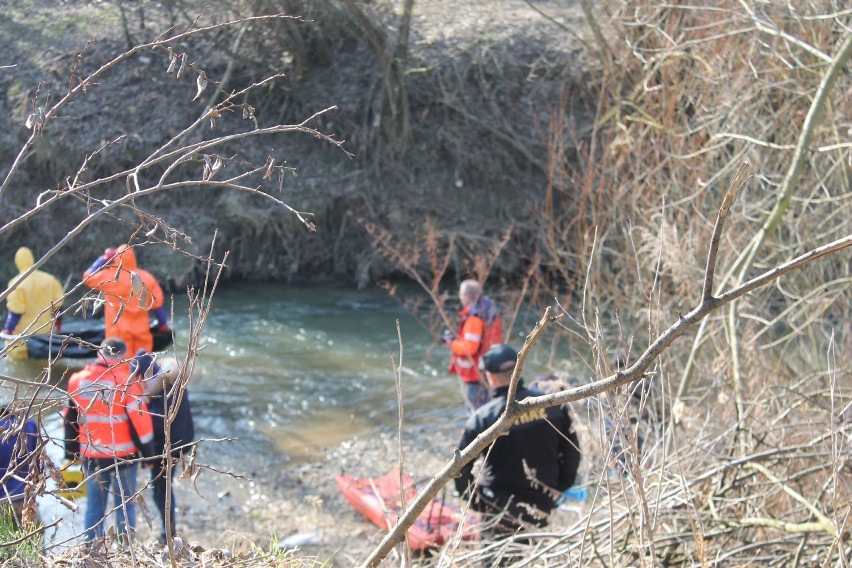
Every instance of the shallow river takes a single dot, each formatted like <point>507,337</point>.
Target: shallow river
<point>289,370</point>
<point>292,370</point>
<point>285,373</point>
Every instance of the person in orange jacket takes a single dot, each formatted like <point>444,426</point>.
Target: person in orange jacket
<point>108,426</point>
<point>130,293</point>
<point>34,306</point>
<point>480,327</point>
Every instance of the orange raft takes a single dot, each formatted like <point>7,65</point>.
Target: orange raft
<point>378,499</point>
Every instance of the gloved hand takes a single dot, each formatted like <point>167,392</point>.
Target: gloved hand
<point>447,338</point>
<point>140,363</point>
<point>96,265</point>
<point>573,494</point>
<point>162,319</point>
<point>8,331</point>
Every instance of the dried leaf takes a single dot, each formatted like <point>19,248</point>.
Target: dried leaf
<point>118,270</point>
<point>189,467</point>
<point>152,231</point>
<point>248,111</point>
<point>136,284</point>
<point>172,64</point>
<point>269,168</point>
<point>138,290</point>
<point>183,59</point>
<point>205,175</point>
<point>98,302</point>
<point>34,120</point>
<point>119,312</point>
<point>217,165</point>
<point>146,512</point>
<point>213,115</point>
<point>200,84</point>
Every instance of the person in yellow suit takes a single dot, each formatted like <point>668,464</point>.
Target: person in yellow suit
<point>129,293</point>
<point>34,306</point>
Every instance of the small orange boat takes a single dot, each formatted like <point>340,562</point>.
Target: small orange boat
<point>378,498</point>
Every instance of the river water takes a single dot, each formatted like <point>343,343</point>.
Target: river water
<point>285,374</point>
<point>287,370</point>
<point>290,371</point>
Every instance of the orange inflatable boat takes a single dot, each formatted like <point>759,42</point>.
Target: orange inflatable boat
<point>378,498</point>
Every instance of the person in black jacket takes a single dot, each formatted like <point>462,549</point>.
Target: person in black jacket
<point>527,469</point>
<point>169,406</point>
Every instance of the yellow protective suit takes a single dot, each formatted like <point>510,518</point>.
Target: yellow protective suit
<point>129,293</point>
<point>37,299</point>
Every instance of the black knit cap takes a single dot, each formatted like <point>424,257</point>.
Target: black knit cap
<point>499,358</point>
<point>113,347</point>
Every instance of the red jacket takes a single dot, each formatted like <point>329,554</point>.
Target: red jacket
<point>102,407</point>
<point>480,327</point>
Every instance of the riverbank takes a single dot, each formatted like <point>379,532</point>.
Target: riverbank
<point>281,506</point>
<point>465,79</point>
<point>223,517</point>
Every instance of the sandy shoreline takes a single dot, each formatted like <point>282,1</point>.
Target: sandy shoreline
<point>237,506</point>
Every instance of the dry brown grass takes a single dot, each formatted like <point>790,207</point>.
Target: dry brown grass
<point>747,460</point>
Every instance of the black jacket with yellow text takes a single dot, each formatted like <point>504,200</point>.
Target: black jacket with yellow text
<point>542,445</point>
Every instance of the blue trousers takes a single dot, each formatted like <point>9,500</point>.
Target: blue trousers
<point>475,394</point>
<point>107,477</point>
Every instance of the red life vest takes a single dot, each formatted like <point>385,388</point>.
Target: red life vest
<point>480,327</point>
<point>106,405</point>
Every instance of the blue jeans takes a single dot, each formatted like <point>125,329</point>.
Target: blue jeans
<point>475,395</point>
<point>100,474</point>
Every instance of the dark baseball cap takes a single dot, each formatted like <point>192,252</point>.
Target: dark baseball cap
<point>499,358</point>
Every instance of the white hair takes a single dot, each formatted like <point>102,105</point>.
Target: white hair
<point>470,288</point>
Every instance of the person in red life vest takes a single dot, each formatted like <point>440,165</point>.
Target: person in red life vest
<point>129,293</point>
<point>108,426</point>
<point>35,305</point>
<point>480,327</point>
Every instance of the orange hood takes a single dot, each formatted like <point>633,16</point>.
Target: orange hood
<point>125,256</point>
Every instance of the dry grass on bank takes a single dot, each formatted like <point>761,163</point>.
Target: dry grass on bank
<point>182,554</point>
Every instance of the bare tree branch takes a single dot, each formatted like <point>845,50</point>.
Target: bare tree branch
<point>636,371</point>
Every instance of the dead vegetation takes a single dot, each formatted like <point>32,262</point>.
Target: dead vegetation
<point>595,194</point>
<point>747,460</point>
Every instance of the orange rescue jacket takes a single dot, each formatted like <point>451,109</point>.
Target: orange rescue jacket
<point>480,327</point>
<point>125,309</point>
<point>106,405</point>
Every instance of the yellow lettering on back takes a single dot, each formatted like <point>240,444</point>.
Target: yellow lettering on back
<point>537,414</point>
